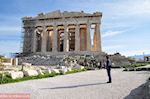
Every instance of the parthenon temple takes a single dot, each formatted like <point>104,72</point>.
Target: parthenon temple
<point>62,32</point>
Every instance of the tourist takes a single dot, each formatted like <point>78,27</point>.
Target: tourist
<point>99,64</point>
<point>108,67</point>
<point>87,64</point>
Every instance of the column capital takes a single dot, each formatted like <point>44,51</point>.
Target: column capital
<point>97,23</point>
<point>44,29</point>
<point>77,24</point>
<point>65,25</point>
<point>88,23</point>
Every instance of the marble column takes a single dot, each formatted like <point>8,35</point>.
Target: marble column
<point>95,40</point>
<point>34,41</point>
<point>44,40</point>
<point>54,45</point>
<point>88,34</point>
<point>66,39</point>
<point>98,32</point>
<point>77,37</point>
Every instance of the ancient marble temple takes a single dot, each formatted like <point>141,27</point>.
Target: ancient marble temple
<point>62,32</point>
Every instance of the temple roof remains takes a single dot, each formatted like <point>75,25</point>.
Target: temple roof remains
<point>59,14</point>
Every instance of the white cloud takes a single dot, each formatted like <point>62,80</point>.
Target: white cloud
<point>124,50</point>
<point>9,28</point>
<point>112,47</point>
<point>111,25</point>
<point>111,33</point>
<point>134,52</point>
<point>128,8</point>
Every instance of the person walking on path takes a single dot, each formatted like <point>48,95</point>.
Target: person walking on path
<point>108,68</point>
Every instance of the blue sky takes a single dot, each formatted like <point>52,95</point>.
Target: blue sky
<point>125,23</point>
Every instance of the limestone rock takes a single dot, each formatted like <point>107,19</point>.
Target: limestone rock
<point>30,72</point>
<point>64,71</point>
<point>62,67</point>
<point>78,67</point>
<point>55,71</point>
<point>43,67</point>
<point>40,72</point>
<point>15,75</point>
<point>8,73</point>
<point>48,71</point>
<point>26,65</point>
<point>69,69</point>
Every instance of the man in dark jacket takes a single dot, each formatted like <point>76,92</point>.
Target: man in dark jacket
<point>108,67</point>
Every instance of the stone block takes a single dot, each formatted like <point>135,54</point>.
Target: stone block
<point>64,71</point>
<point>40,72</point>
<point>15,75</point>
<point>62,67</point>
<point>26,64</point>
<point>55,71</point>
<point>8,73</point>
<point>30,72</point>
<point>78,67</point>
<point>48,71</point>
<point>69,69</point>
<point>43,67</point>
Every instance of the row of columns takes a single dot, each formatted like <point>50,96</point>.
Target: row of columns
<point>66,40</point>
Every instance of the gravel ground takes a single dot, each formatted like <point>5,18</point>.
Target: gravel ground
<point>84,85</point>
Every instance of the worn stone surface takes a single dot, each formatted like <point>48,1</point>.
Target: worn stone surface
<point>30,72</point>
<point>83,85</point>
<point>69,69</point>
<point>62,67</point>
<point>55,71</point>
<point>15,75</point>
<point>40,72</point>
<point>48,71</point>
<point>78,67</point>
<point>8,73</point>
<point>53,22</point>
<point>64,71</point>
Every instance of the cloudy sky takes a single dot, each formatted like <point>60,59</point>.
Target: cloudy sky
<point>125,23</point>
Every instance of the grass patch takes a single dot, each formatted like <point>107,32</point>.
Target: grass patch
<point>132,68</point>
<point>136,65</point>
<point>75,71</point>
<point>8,79</point>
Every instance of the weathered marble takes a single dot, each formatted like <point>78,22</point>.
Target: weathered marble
<point>70,32</point>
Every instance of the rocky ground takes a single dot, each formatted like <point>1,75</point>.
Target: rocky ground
<point>84,85</point>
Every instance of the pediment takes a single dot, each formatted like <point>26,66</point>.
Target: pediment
<point>58,14</point>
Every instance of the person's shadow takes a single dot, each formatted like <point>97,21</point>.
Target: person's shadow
<point>75,86</point>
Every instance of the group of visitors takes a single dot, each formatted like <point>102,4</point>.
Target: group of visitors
<point>105,64</point>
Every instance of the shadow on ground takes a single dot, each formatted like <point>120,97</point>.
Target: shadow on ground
<point>75,86</point>
<point>142,92</point>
